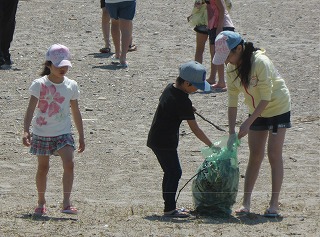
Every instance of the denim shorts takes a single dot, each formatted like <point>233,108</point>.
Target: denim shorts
<point>272,123</point>
<point>122,10</point>
<point>46,146</point>
<point>213,33</point>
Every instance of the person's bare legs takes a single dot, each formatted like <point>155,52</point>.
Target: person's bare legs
<point>257,141</point>
<point>66,154</point>
<point>201,40</point>
<point>126,38</point>
<point>115,32</point>
<point>275,145</point>
<point>41,179</point>
<point>213,69</point>
<point>221,82</point>
<point>105,25</point>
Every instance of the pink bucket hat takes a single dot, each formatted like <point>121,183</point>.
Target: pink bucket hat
<point>59,55</point>
<point>225,41</point>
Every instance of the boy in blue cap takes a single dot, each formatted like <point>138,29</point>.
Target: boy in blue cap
<point>175,106</point>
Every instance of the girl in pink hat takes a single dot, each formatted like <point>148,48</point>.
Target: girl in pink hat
<point>53,97</point>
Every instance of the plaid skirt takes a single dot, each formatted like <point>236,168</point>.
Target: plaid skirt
<point>46,146</point>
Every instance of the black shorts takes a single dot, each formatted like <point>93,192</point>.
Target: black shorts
<point>272,123</point>
<point>213,33</point>
<point>203,29</point>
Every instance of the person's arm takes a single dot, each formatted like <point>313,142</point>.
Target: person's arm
<point>77,118</point>
<point>221,10</point>
<point>232,117</point>
<point>198,132</point>
<point>244,128</point>
<point>27,120</point>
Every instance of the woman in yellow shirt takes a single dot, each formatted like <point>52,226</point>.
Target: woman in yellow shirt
<point>251,72</point>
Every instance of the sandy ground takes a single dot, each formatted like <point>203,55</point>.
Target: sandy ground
<point>117,184</point>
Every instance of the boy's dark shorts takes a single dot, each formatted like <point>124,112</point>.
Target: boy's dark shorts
<point>272,123</point>
<point>213,33</point>
<point>122,10</point>
<point>202,29</point>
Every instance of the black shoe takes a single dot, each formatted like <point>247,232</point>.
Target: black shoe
<point>2,61</point>
<point>7,60</point>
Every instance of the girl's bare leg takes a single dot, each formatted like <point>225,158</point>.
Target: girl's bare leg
<point>257,141</point>
<point>275,145</point>
<point>201,40</point>
<point>67,154</point>
<point>41,179</point>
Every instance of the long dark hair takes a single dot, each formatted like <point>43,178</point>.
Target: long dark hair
<point>46,70</point>
<point>243,70</point>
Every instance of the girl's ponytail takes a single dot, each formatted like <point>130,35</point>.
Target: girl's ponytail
<point>245,66</point>
<point>46,70</point>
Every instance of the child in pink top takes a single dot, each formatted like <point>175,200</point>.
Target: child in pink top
<point>218,20</point>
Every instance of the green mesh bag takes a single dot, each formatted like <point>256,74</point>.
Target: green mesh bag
<point>215,187</point>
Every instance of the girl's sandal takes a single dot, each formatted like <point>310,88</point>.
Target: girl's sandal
<point>39,211</point>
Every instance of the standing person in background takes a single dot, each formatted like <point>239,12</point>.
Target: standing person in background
<point>251,72</point>
<point>52,97</point>
<point>218,20</point>
<point>199,20</point>
<point>122,14</point>
<point>8,10</point>
<point>105,26</point>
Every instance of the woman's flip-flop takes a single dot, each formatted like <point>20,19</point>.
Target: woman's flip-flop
<point>242,211</point>
<point>70,210</point>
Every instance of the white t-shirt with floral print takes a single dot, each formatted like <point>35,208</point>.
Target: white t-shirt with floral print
<point>52,114</point>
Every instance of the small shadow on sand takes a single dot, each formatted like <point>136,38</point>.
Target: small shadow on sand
<point>101,55</point>
<point>9,67</point>
<point>255,219</point>
<point>33,217</point>
<point>160,218</point>
<point>209,92</point>
<point>249,219</point>
<point>110,67</point>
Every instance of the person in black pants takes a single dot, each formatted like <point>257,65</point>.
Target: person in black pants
<point>8,9</point>
<point>174,107</point>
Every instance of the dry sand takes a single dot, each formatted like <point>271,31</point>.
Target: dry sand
<point>117,184</point>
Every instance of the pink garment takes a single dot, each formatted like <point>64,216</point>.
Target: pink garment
<point>213,15</point>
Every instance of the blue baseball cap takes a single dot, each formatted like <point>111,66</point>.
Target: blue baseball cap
<point>225,41</point>
<point>195,73</point>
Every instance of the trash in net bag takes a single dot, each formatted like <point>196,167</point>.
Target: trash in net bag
<point>215,187</point>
